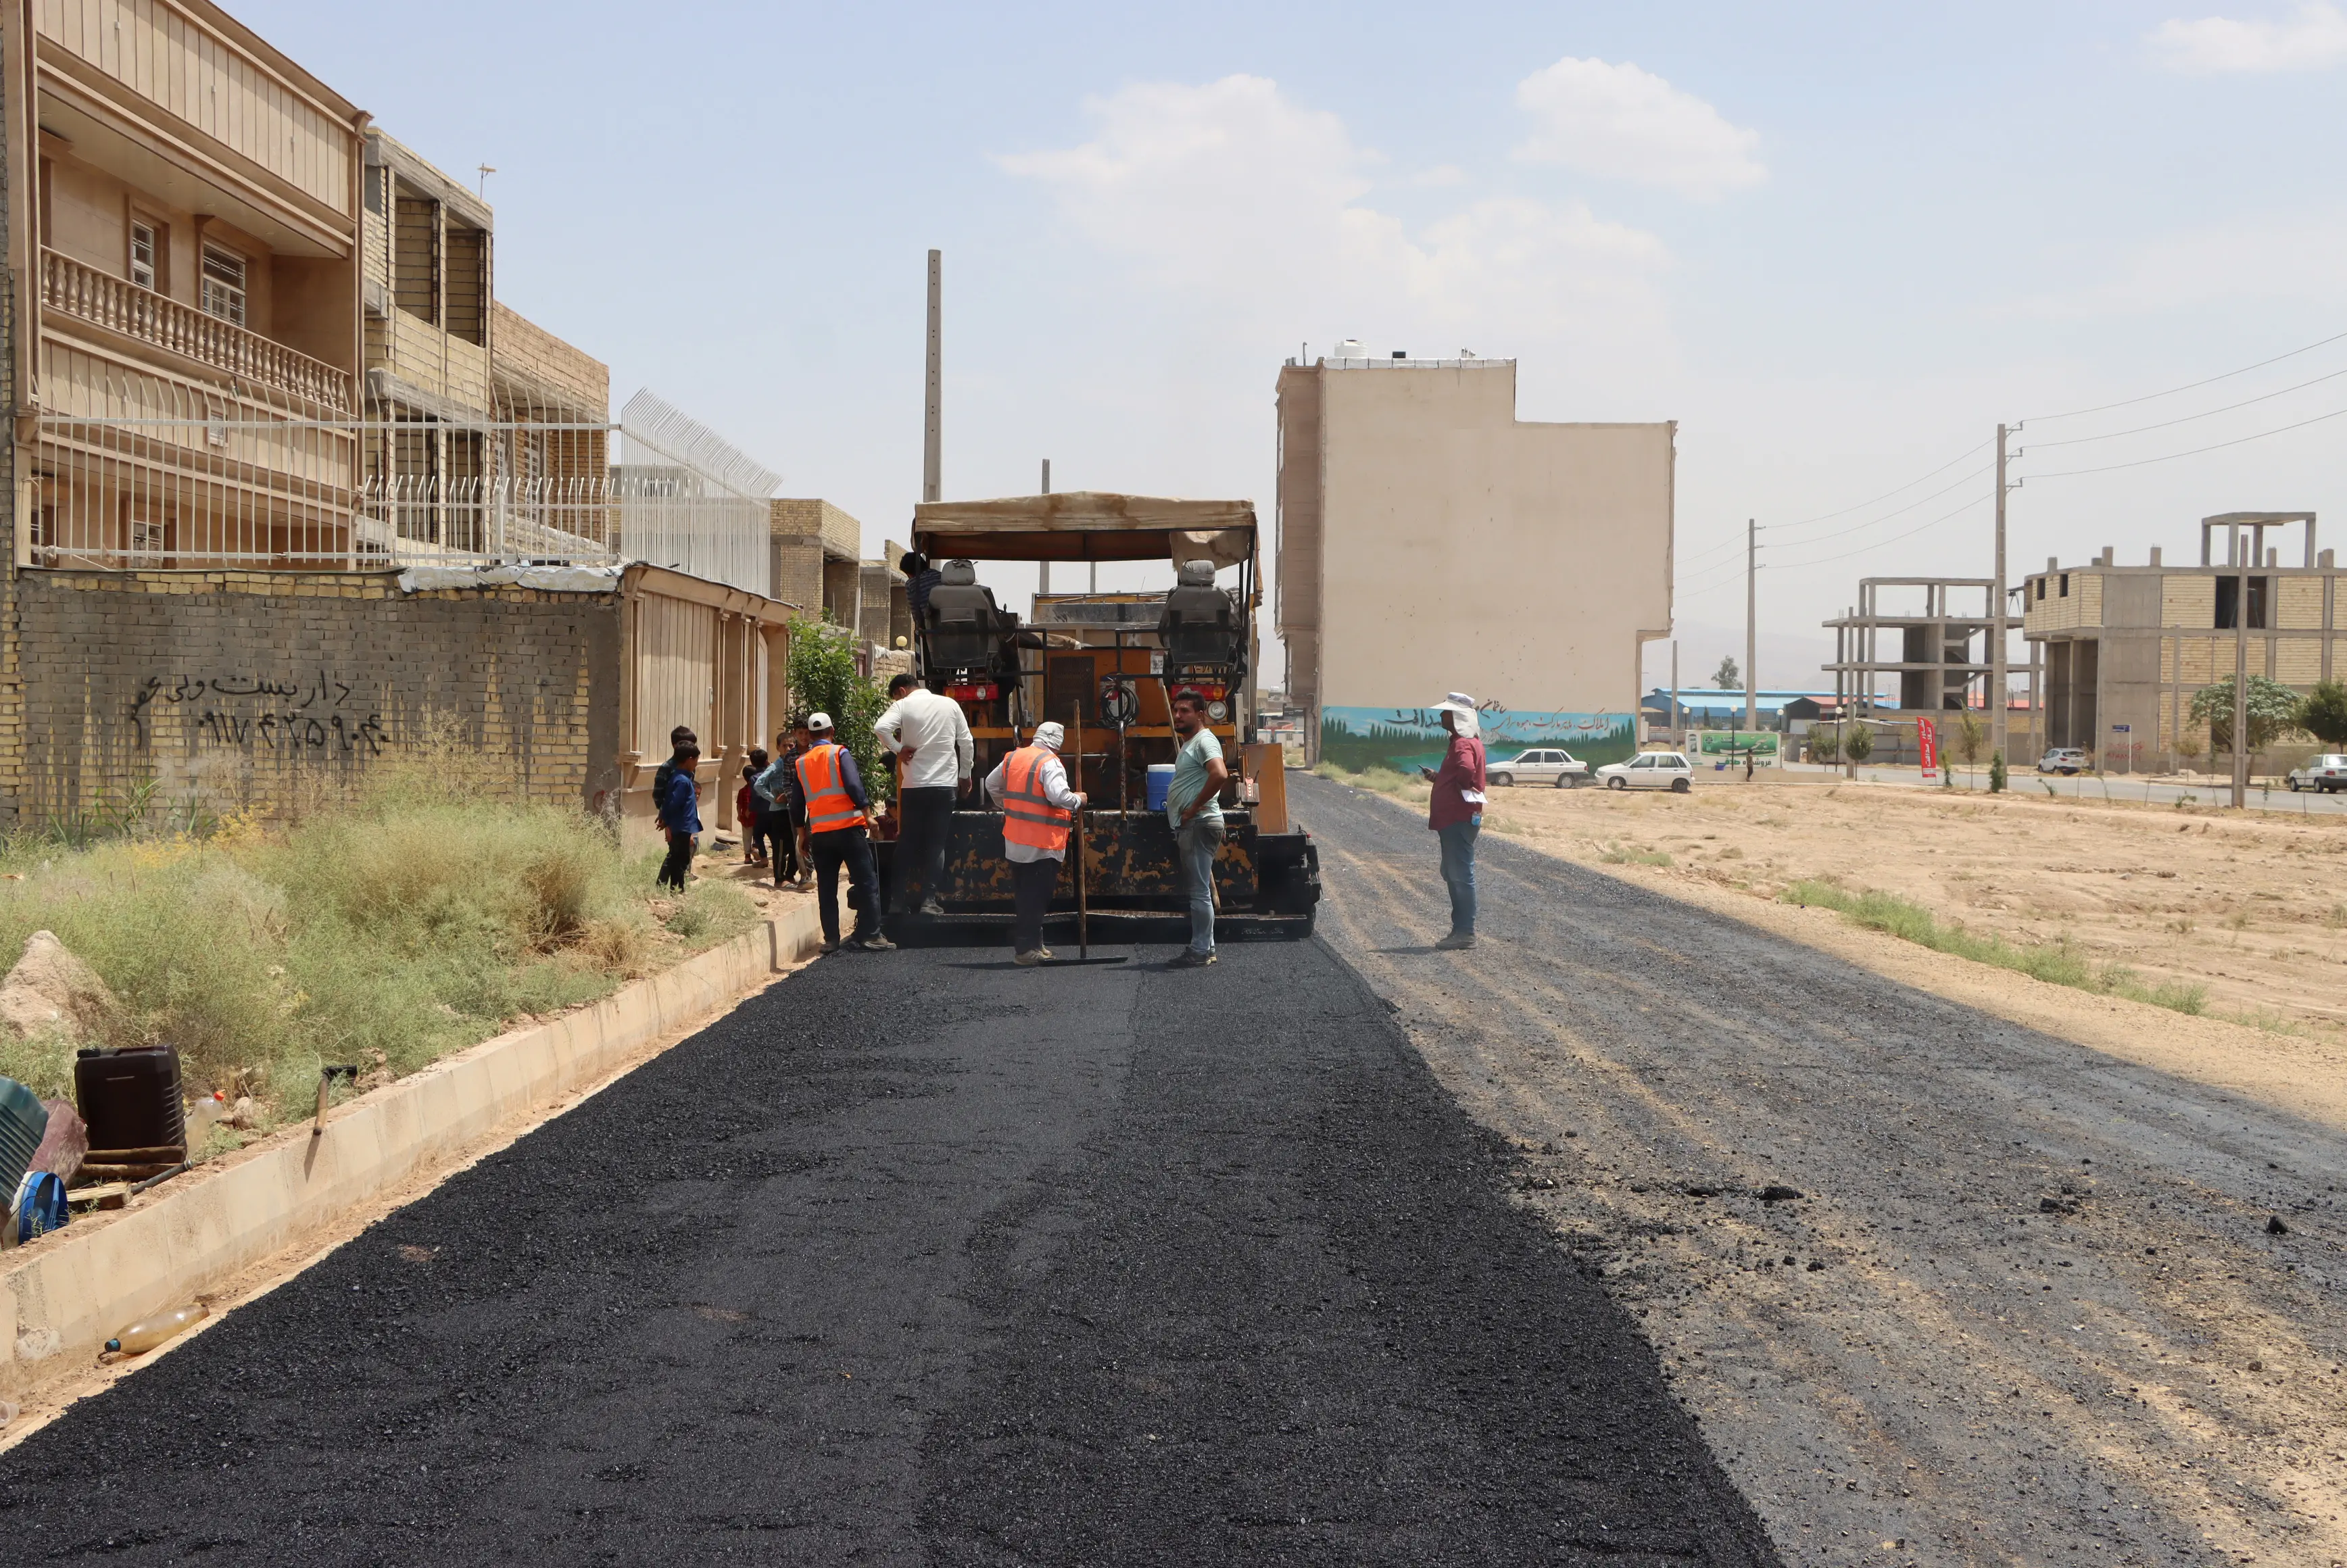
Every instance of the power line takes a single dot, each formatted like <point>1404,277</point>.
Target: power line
<point>2188,418</point>
<point>1828,517</point>
<point>1894,538</point>
<point>2190,386</point>
<point>1871,522</point>
<point>2195,452</point>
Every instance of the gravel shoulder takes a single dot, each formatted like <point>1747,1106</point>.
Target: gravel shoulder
<point>2028,1302</point>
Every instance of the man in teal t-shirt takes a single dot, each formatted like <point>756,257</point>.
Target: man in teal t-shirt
<point>1194,806</point>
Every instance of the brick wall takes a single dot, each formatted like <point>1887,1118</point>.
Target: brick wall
<point>798,571</point>
<point>257,690</point>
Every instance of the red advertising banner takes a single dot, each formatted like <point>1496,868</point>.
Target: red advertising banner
<point>1927,741</point>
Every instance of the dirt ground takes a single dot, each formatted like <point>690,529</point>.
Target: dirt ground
<point>2253,908</point>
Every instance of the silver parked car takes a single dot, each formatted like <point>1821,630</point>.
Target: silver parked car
<point>1542,765</point>
<point>2063,759</point>
<point>1650,770</point>
<point>2322,774</point>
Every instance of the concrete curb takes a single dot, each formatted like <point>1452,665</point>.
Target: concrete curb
<point>72,1293</point>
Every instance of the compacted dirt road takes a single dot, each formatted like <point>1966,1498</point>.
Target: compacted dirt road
<point>923,1258</point>
<point>2032,1304</point>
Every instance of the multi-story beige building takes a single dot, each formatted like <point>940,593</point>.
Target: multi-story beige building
<point>2120,649</point>
<point>1431,541</point>
<point>286,488</point>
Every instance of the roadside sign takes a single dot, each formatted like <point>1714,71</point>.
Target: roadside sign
<point>2122,729</point>
<point>1927,741</point>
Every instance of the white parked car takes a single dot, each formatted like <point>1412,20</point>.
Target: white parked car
<point>1542,765</point>
<point>2325,774</point>
<point>1650,770</point>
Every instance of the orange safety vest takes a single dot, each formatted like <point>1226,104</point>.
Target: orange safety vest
<point>829,807</point>
<point>1028,817</point>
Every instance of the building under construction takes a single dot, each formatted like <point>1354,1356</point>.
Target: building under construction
<point>2124,648</point>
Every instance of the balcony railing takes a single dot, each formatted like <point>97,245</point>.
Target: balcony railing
<point>72,288</point>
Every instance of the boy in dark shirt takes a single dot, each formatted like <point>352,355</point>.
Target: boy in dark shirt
<point>678,803</point>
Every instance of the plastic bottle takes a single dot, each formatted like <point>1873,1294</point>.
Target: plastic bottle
<point>149,1332</point>
<point>202,1112</point>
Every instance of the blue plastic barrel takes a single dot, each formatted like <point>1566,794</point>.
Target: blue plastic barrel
<point>22,1120</point>
<point>1161,784</point>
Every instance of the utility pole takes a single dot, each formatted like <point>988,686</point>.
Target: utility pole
<point>1678,737</point>
<point>2242,672</point>
<point>1751,604</point>
<point>932,448</point>
<point>1043,570</point>
<point>1998,701</point>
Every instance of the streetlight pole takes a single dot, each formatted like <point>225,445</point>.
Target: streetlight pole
<point>2242,673</point>
<point>1751,605</point>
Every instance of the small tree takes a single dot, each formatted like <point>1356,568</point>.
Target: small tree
<point>2187,748</point>
<point>824,679</point>
<point>2273,711</point>
<point>2323,714</point>
<point>1996,773</point>
<point>1825,746</point>
<point>1858,743</point>
<point>1970,737</point>
<point>1728,677</point>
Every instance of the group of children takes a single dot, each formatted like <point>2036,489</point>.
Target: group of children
<point>771,828</point>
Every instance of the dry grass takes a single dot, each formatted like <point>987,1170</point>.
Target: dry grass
<point>387,930</point>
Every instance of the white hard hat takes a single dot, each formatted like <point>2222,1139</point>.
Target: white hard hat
<point>818,723</point>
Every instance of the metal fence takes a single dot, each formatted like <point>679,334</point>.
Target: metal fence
<point>167,477</point>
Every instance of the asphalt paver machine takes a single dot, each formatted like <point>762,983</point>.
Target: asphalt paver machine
<point>1107,668</point>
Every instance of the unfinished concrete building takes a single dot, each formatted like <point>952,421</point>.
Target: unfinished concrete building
<point>1934,650</point>
<point>1431,541</point>
<point>2124,648</point>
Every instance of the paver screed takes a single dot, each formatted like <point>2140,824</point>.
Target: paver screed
<point>925,1258</point>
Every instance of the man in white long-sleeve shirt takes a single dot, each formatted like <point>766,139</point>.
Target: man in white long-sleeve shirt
<point>930,740</point>
<point>1037,811</point>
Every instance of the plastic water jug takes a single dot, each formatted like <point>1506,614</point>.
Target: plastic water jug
<point>1161,785</point>
<point>22,1120</point>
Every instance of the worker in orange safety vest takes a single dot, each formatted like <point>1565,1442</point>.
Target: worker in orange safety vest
<point>836,812</point>
<point>1037,811</point>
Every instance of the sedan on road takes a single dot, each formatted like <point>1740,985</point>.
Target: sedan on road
<point>1650,770</point>
<point>2063,759</point>
<point>1541,765</point>
<point>2322,774</point>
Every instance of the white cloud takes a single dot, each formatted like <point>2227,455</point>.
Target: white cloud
<point>2314,40</point>
<point>2295,259</point>
<point>1628,124</point>
<point>1233,196</point>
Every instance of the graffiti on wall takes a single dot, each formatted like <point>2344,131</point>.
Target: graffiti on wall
<point>1406,738</point>
<point>304,717</point>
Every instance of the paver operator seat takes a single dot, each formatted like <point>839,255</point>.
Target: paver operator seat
<point>1200,626</point>
<point>963,630</point>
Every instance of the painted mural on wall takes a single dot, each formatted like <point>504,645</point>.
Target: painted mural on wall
<point>1406,738</point>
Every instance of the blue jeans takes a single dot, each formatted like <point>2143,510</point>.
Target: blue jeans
<point>1458,872</point>
<point>1198,841</point>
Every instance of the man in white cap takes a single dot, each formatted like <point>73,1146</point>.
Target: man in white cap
<point>1037,811</point>
<point>836,812</point>
<point>1455,812</point>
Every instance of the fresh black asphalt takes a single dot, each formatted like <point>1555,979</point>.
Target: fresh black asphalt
<point>922,1258</point>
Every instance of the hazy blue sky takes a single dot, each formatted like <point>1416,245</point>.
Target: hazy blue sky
<point>1837,243</point>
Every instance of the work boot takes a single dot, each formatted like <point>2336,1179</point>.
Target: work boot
<point>931,907</point>
<point>1189,959</point>
<point>1456,940</point>
<point>876,943</point>
<point>830,944</point>
<point>1047,952</point>
<point>1027,960</point>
